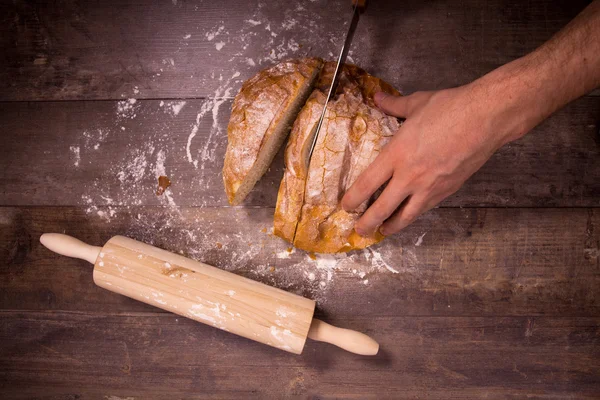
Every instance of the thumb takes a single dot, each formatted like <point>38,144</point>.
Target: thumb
<point>398,106</point>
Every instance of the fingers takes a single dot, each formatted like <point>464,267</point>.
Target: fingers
<point>400,106</point>
<point>371,179</point>
<point>410,210</point>
<point>382,208</point>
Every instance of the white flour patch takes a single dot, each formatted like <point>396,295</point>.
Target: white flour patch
<point>219,45</point>
<point>189,35</point>
<point>127,108</point>
<point>172,107</point>
<point>253,22</point>
<point>203,110</point>
<point>222,94</point>
<point>177,106</point>
<point>134,170</point>
<point>76,154</point>
<point>94,138</point>
<point>214,33</point>
<point>289,23</point>
<point>420,239</point>
<point>378,260</point>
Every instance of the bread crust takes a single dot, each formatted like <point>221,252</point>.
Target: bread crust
<point>308,211</point>
<point>260,110</point>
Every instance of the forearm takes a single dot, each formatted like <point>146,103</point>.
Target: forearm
<point>528,90</point>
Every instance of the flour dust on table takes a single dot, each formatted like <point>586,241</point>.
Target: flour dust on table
<point>235,239</point>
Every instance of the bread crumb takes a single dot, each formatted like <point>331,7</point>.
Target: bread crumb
<point>163,184</point>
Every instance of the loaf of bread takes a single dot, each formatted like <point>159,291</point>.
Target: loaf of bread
<point>261,117</point>
<point>308,212</point>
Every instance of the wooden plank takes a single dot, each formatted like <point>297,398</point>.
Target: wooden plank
<point>107,153</point>
<point>110,49</point>
<point>451,262</point>
<point>153,356</point>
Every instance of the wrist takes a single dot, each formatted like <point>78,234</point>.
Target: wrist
<point>517,98</point>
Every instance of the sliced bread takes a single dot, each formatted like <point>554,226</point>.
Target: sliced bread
<point>308,212</point>
<point>261,117</point>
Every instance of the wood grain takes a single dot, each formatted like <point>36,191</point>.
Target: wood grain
<point>204,293</point>
<point>475,262</point>
<point>117,155</point>
<point>101,355</point>
<point>105,50</point>
<point>495,301</point>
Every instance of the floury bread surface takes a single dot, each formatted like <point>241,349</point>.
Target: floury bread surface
<point>308,212</point>
<point>261,117</point>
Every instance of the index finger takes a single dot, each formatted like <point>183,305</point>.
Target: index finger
<point>371,179</point>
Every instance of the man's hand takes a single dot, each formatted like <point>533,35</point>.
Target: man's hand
<point>447,136</point>
<point>450,134</point>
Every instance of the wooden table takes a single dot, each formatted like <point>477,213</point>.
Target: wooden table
<point>493,295</point>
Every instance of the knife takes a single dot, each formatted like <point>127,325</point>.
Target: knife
<point>357,9</point>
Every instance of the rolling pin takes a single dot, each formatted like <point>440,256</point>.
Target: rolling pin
<point>207,294</point>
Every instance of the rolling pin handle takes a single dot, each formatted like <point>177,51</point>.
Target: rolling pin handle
<point>352,341</point>
<point>69,246</point>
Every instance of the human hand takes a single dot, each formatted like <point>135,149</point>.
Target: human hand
<point>447,136</point>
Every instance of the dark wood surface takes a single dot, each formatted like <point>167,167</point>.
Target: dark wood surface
<point>493,295</point>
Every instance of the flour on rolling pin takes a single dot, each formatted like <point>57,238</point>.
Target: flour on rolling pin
<point>207,294</point>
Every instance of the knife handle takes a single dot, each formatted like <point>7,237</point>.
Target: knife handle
<point>360,4</point>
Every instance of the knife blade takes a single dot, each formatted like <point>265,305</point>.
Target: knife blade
<point>358,7</point>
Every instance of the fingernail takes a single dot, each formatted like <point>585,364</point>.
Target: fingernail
<point>383,231</point>
<point>360,232</point>
<point>379,96</point>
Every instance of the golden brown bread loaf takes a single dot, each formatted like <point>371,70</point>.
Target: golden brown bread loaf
<point>308,212</point>
<point>261,117</point>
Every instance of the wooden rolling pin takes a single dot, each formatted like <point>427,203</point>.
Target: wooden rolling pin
<point>207,294</point>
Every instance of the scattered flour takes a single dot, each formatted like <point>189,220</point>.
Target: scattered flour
<point>122,189</point>
<point>378,260</point>
<point>172,107</point>
<point>289,23</point>
<point>126,109</point>
<point>420,239</point>
<point>222,94</point>
<point>214,33</point>
<point>76,154</point>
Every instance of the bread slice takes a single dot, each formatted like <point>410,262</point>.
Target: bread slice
<point>290,197</point>
<point>262,114</point>
<point>308,211</point>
